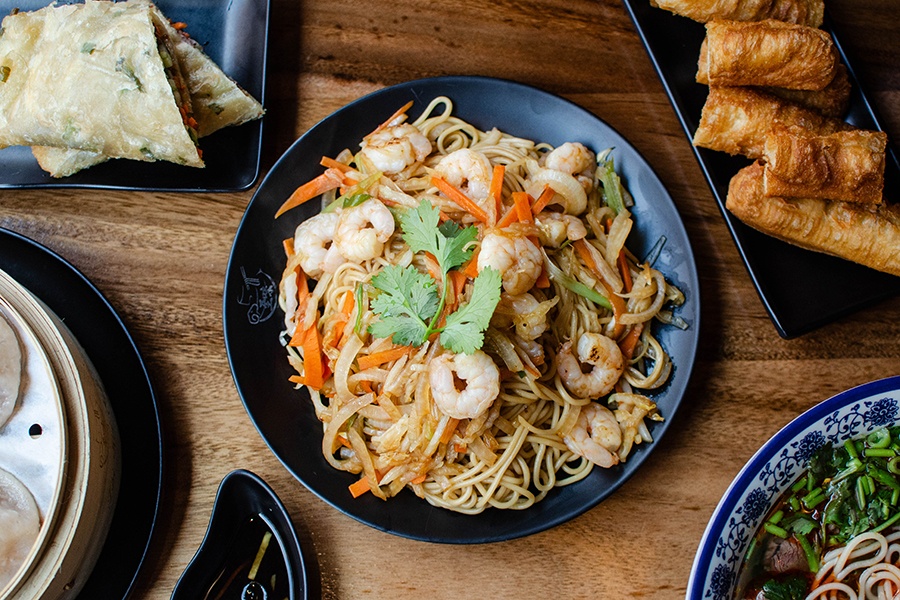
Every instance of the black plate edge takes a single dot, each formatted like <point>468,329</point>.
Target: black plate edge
<point>734,225</point>
<point>636,459</point>
<point>89,286</point>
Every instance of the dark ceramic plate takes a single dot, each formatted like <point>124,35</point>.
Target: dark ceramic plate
<point>244,498</point>
<point>285,417</point>
<point>801,290</point>
<point>108,344</point>
<point>233,33</point>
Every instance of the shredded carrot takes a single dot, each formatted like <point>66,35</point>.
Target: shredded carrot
<point>464,202</point>
<point>288,247</point>
<point>379,358</point>
<point>359,487</point>
<point>336,330</point>
<point>543,200</point>
<point>329,180</point>
<point>449,430</point>
<point>179,25</point>
<point>509,218</point>
<point>626,272</point>
<point>619,307</point>
<point>543,280</point>
<point>420,479</point>
<point>434,269</point>
<point>461,448</point>
<point>313,367</point>
<point>400,111</point>
<point>471,268</point>
<point>522,202</point>
<point>496,189</point>
<point>302,300</point>
<point>329,162</point>
<point>366,386</point>
<point>628,343</point>
<point>458,281</point>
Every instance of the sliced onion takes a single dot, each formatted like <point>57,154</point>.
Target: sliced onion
<point>565,185</point>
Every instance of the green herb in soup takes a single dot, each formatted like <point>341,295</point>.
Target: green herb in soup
<point>846,491</point>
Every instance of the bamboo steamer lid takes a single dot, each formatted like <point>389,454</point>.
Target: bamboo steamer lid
<point>77,516</point>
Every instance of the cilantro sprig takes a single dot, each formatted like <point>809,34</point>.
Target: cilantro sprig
<point>409,305</point>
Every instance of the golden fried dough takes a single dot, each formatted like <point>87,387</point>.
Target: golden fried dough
<point>766,53</point>
<point>849,230</point>
<point>847,165</point>
<point>803,12</point>
<point>737,120</point>
<point>831,101</point>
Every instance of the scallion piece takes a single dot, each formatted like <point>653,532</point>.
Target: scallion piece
<point>776,518</point>
<point>358,294</point>
<point>812,499</point>
<point>576,287</point>
<point>612,186</point>
<point>880,438</point>
<point>851,449</point>
<point>861,492</point>
<point>893,465</point>
<point>811,556</point>
<point>887,523</point>
<point>880,452</point>
<point>801,483</point>
<point>776,530</point>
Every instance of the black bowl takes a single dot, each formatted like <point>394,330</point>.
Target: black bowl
<point>245,508</point>
<point>285,417</point>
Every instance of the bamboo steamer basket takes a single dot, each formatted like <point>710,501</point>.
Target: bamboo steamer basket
<point>77,488</point>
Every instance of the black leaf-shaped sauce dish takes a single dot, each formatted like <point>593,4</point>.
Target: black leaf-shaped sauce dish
<point>250,551</point>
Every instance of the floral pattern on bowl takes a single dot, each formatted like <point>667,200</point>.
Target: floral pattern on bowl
<point>773,469</point>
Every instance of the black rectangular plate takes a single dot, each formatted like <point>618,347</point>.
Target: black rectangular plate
<point>233,33</point>
<point>800,289</point>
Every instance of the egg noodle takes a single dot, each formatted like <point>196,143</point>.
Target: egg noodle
<point>472,414</point>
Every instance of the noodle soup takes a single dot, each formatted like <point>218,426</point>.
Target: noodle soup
<point>834,533</point>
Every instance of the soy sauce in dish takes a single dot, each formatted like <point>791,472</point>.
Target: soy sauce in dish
<point>254,568</point>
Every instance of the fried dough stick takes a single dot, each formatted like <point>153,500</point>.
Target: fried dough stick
<point>737,120</point>
<point>802,12</point>
<point>766,53</point>
<point>847,165</point>
<point>847,230</point>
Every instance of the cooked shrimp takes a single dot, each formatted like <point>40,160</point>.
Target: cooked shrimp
<point>477,373</point>
<point>363,230</point>
<point>555,228</point>
<point>593,349</point>
<point>517,258</point>
<point>575,159</point>
<point>468,170</point>
<point>313,245</point>
<point>393,149</point>
<point>526,313</point>
<point>596,435</point>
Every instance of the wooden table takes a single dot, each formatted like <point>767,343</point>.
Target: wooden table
<point>160,259</point>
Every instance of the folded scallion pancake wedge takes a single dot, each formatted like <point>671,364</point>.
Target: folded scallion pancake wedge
<point>97,76</point>
<point>216,99</point>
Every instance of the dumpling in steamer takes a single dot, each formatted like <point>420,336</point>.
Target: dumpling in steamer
<point>10,370</point>
<point>20,524</point>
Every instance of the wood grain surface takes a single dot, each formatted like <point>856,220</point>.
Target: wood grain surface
<point>160,259</point>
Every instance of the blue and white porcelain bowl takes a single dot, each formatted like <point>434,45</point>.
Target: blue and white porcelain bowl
<point>773,469</point>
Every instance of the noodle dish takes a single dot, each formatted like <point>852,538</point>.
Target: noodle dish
<point>466,316</point>
<point>461,310</point>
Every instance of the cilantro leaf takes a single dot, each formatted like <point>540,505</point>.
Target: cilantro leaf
<point>792,588</point>
<point>450,244</point>
<point>464,331</point>
<point>408,299</point>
